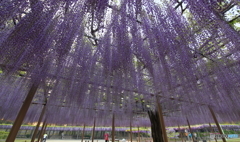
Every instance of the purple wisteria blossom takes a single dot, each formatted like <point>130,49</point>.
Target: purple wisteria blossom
<point>99,58</point>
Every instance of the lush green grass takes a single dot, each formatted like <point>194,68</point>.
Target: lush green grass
<point>228,140</point>
<point>171,140</point>
<point>22,140</point>
<point>18,140</point>
<point>231,140</point>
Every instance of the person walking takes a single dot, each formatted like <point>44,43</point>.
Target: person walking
<point>45,137</point>
<point>106,136</point>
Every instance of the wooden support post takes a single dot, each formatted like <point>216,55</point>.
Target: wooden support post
<point>180,133</point>
<point>218,126</point>
<point>83,132</point>
<point>164,133</point>
<point>38,124</point>
<point>190,130</point>
<point>113,128</point>
<point>138,135</point>
<point>212,131</point>
<point>21,114</point>
<point>129,137</point>
<point>209,131</point>
<point>130,130</point>
<point>44,131</point>
<point>41,132</point>
<point>93,132</point>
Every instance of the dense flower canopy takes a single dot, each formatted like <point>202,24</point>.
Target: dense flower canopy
<point>96,58</point>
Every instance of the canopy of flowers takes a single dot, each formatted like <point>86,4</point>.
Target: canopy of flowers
<point>91,59</point>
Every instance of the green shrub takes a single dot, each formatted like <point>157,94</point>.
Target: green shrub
<point>28,135</point>
<point>229,132</point>
<point>3,135</point>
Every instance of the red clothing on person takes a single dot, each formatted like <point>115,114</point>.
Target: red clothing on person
<point>106,136</point>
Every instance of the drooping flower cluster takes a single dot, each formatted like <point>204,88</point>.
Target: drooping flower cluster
<point>96,58</point>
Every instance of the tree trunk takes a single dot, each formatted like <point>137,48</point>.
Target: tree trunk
<point>157,134</point>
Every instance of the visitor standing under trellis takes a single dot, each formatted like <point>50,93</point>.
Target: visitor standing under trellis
<point>106,136</point>
<point>45,137</point>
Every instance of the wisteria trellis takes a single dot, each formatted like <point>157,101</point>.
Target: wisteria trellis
<point>96,58</point>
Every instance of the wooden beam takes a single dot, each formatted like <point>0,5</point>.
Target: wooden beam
<point>38,124</point>
<point>180,133</point>
<point>41,132</point>
<point>138,135</point>
<point>218,126</point>
<point>113,128</point>
<point>130,130</point>
<point>83,132</point>
<point>22,113</point>
<point>44,131</point>
<point>190,129</point>
<point>93,131</point>
<point>211,129</point>
<point>161,119</point>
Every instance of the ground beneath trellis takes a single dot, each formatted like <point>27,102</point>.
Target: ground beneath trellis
<point>66,140</point>
<point>70,140</point>
<point>229,140</point>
